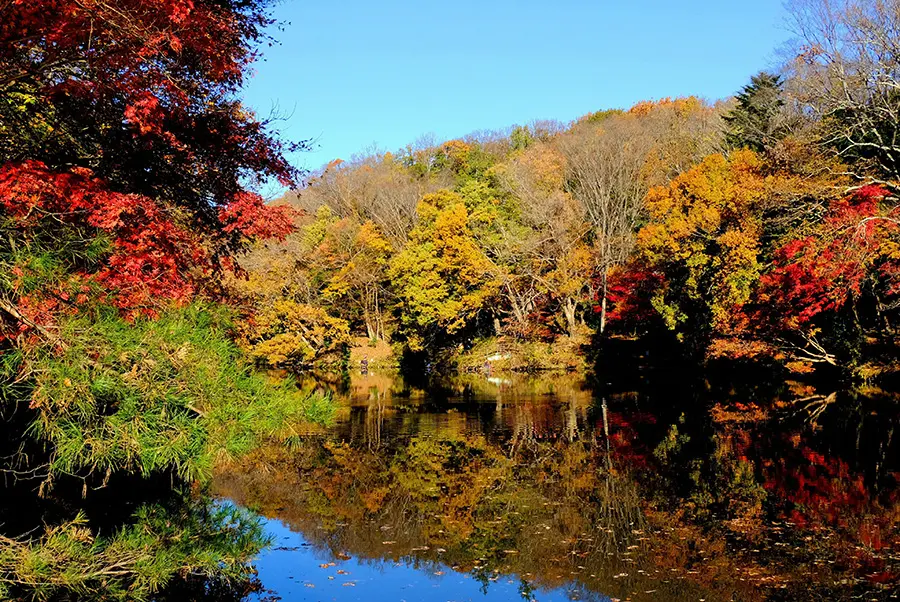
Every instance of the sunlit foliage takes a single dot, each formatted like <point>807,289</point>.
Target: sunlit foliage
<point>442,276</point>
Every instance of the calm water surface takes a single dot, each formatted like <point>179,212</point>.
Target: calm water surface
<point>542,488</point>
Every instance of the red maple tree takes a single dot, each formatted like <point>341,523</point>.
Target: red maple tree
<point>120,119</point>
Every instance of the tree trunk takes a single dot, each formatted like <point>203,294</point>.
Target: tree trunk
<point>368,303</point>
<point>603,307</point>
<point>518,310</point>
<point>379,320</point>
<point>371,332</point>
<point>572,321</point>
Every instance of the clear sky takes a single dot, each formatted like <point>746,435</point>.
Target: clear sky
<point>353,74</point>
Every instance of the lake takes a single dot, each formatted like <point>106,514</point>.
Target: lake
<point>546,488</point>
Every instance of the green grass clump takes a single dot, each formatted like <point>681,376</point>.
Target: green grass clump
<point>172,393</point>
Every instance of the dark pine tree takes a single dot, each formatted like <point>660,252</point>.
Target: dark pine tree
<point>756,122</point>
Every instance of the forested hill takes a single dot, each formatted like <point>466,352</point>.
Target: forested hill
<point>762,227</point>
<point>493,234</point>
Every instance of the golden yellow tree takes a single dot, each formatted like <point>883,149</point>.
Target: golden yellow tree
<point>704,235</point>
<point>441,277</point>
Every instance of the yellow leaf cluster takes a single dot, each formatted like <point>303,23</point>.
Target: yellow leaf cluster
<point>442,275</point>
<point>706,225</point>
<point>291,333</point>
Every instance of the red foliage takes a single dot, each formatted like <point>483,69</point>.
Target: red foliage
<point>250,216</point>
<point>817,491</point>
<point>810,279</point>
<point>145,113</point>
<point>820,490</point>
<point>152,258</point>
<point>29,192</point>
<point>630,448</point>
<point>630,290</point>
<point>824,271</point>
<point>212,33</point>
<point>150,148</point>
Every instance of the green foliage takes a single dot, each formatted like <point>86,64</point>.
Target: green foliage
<point>600,116</point>
<point>466,161</point>
<point>673,442</point>
<point>520,138</point>
<point>45,257</point>
<point>733,485</point>
<point>491,212</point>
<point>155,395</point>
<point>188,537</point>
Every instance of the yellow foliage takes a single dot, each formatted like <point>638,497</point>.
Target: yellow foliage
<point>682,106</point>
<point>359,264</point>
<point>546,166</point>
<point>442,275</point>
<point>706,225</point>
<point>572,271</point>
<point>291,333</point>
<point>456,149</point>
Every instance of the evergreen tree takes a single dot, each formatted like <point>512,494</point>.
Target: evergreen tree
<point>756,122</point>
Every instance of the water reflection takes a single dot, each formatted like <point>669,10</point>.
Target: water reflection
<point>538,488</point>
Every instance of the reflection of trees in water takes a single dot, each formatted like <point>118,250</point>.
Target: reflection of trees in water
<point>607,495</point>
<point>375,419</point>
<point>525,408</point>
<point>557,513</point>
<point>805,484</point>
<point>839,478</point>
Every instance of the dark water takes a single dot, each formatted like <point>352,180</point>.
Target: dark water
<point>544,488</point>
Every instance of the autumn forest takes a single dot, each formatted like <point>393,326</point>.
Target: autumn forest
<point>761,227</point>
<point>181,358</point>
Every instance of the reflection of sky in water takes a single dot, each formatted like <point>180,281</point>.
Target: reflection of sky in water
<point>291,566</point>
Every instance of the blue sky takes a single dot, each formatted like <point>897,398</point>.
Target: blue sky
<point>353,74</point>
